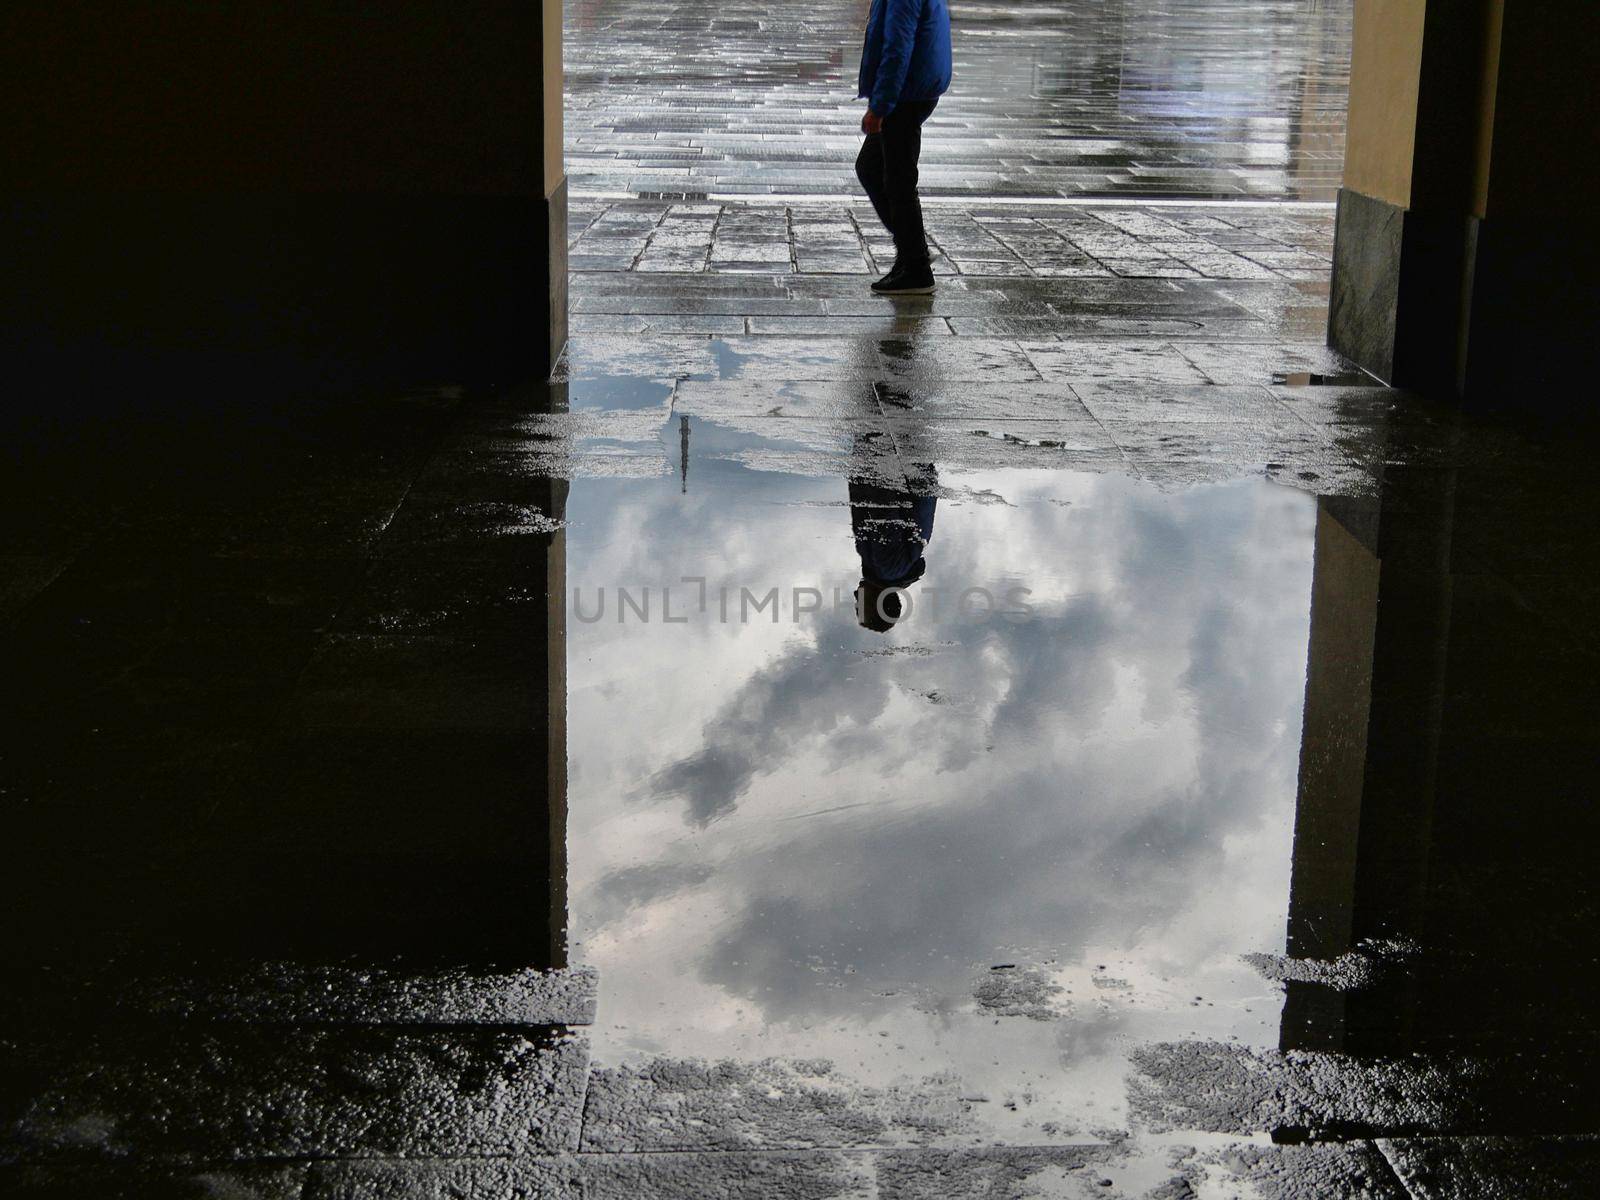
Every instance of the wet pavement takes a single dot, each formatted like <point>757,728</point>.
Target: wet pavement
<point>1121,98</point>
<point>498,792</point>
<point>1055,241</point>
<point>544,791</point>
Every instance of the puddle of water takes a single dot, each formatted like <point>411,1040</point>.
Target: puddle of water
<point>618,392</point>
<point>991,850</point>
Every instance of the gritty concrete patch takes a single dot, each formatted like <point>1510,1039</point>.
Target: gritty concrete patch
<point>291,992</point>
<point>1176,1188</point>
<point>234,1182</point>
<point>1496,1168</point>
<point>991,1173</point>
<point>1363,967</point>
<point>445,1179</point>
<point>687,1104</point>
<point>793,1175</point>
<point>1226,1088</point>
<point>1351,1171</point>
<point>1019,991</point>
<point>807,1175</point>
<point>231,1093</point>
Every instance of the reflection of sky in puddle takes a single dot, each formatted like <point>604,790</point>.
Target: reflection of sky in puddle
<point>802,839</point>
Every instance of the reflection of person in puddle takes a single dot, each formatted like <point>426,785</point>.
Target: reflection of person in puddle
<point>891,527</point>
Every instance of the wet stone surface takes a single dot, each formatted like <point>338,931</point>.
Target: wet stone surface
<point>252,1092</point>
<point>1065,242</point>
<point>284,993</point>
<point>156,1183</point>
<point>1105,97</point>
<point>1229,1089</point>
<point>1003,902</point>
<point>501,793</point>
<point>983,778</point>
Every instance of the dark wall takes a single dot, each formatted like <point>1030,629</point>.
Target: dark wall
<point>413,98</point>
<point>331,190</point>
<point>1536,270</point>
<point>1546,105</point>
<point>1446,776</point>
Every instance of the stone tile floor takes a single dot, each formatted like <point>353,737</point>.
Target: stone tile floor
<point>1061,241</point>
<point>371,843</point>
<point>1128,98</point>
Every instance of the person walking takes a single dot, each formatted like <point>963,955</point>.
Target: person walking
<point>905,68</point>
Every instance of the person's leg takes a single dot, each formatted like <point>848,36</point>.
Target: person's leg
<point>902,147</point>
<point>869,169</point>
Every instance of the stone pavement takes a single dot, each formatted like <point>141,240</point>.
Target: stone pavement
<point>494,792</point>
<point>1151,98</point>
<point>1073,241</point>
<point>367,843</point>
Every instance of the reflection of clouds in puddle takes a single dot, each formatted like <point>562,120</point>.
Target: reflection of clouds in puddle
<point>630,887</point>
<point>1113,777</point>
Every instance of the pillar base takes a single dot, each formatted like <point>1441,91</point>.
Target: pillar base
<point>1494,314</point>
<point>1363,305</point>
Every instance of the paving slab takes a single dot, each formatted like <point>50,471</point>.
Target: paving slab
<point>684,1104</point>
<point>887,324</point>
<point>978,444</point>
<point>694,304</point>
<point>991,1173</point>
<point>1351,1170</point>
<point>707,325</point>
<point>1127,365</point>
<point>1162,408</point>
<point>841,400</point>
<point>967,360</point>
<point>590,355</point>
<point>710,105</point>
<point>457,1177</point>
<point>1246,444</point>
<point>1233,1089</point>
<point>1021,401</point>
<point>222,1182</point>
<point>292,993</point>
<point>809,1175</point>
<point>1266,363</point>
<point>231,1093</point>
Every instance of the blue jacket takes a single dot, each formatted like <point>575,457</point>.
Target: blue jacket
<point>907,53</point>
<point>890,539</point>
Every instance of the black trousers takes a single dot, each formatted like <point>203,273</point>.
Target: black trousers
<point>887,168</point>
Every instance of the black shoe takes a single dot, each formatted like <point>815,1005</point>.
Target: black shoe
<point>906,280</point>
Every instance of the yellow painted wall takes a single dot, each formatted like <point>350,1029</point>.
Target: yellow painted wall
<point>1494,15</point>
<point>1384,71</point>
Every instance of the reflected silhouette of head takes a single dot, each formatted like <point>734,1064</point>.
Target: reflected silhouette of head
<point>878,606</point>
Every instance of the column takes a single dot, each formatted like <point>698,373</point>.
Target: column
<point>339,191</point>
<point>1463,265</point>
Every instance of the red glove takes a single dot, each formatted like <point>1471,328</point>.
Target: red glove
<point>871,123</point>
